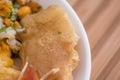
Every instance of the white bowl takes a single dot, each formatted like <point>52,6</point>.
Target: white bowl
<point>82,72</point>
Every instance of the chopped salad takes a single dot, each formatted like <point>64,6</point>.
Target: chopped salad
<point>11,12</point>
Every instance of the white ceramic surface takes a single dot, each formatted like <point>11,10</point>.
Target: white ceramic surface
<point>82,72</point>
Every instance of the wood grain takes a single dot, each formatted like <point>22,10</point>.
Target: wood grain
<point>101,19</point>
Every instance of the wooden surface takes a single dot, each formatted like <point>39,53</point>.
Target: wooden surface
<point>101,19</point>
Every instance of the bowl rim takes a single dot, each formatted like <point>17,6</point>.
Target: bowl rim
<point>66,6</point>
<point>84,36</point>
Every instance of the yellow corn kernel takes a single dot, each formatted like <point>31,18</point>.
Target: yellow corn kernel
<point>6,21</point>
<point>22,2</point>
<point>5,53</point>
<point>5,46</point>
<point>17,24</point>
<point>35,7</point>
<point>6,61</point>
<point>23,11</point>
<point>9,5</point>
<point>5,50</point>
<point>2,1</point>
<point>4,10</point>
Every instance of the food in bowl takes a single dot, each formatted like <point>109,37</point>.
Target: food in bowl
<point>43,40</point>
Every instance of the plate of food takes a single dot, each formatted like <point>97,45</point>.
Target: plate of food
<point>42,40</point>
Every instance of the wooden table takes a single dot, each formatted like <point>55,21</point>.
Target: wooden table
<point>101,19</point>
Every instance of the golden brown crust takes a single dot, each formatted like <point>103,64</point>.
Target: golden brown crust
<point>49,42</point>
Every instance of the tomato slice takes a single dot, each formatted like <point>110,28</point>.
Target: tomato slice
<point>30,74</point>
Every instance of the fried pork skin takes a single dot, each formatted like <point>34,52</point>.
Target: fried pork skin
<point>48,42</point>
